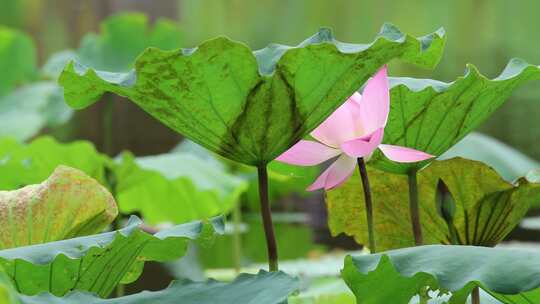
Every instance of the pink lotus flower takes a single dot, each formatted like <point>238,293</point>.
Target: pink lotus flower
<point>353,131</point>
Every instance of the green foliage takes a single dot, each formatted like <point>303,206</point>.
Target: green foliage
<point>98,263</point>
<point>26,110</point>
<point>263,288</point>
<point>68,204</point>
<point>318,274</point>
<point>18,56</point>
<point>294,239</point>
<point>509,162</point>
<point>8,294</point>
<point>123,37</point>
<point>509,275</point>
<point>325,291</point>
<point>12,13</point>
<point>54,65</point>
<point>283,180</point>
<point>25,164</point>
<point>185,186</point>
<point>249,107</point>
<point>30,108</point>
<point>432,116</point>
<point>487,207</point>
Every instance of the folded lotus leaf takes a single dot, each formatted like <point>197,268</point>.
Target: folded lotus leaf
<point>432,116</point>
<point>68,204</point>
<point>487,207</point>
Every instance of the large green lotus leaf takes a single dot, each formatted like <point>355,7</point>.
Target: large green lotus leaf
<point>487,207</point>
<point>263,288</point>
<point>25,164</point>
<point>17,59</point>
<point>508,275</point>
<point>27,110</point>
<point>99,262</point>
<point>432,116</point>
<point>249,106</point>
<point>184,186</point>
<point>68,204</point>
<point>508,162</point>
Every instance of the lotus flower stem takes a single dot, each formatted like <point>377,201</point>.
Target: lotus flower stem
<point>475,296</point>
<point>414,209</point>
<point>266,214</point>
<point>368,201</point>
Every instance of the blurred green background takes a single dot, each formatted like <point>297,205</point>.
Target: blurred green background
<point>486,33</point>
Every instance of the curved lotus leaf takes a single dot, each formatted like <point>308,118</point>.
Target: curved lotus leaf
<point>17,59</point>
<point>509,162</point>
<point>99,262</point>
<point>432,116</point>
<point>249,106</point>
<point>487,207</point>
<point>457,269</point>
<point>263,288</point>
<point>26,164</point>
<point>68,204</point>
<point>185,186</point>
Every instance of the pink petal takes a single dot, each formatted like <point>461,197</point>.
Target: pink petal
<point>338,127</point>
<point>336,174</point>
<point>404,154</point>
<point>307,153</point>
<point>363,146</point>
<point>375,102</point>
<point>358,127</point>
